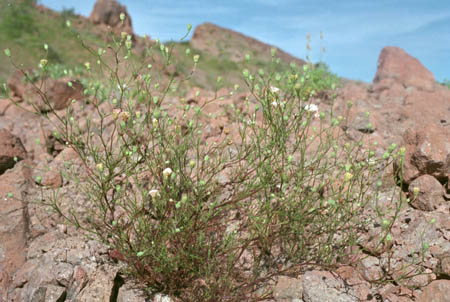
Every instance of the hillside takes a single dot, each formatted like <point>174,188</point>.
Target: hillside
<point>26,27</point>
<point>230,45</point>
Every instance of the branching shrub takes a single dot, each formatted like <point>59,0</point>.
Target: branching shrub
<point>215,219</point>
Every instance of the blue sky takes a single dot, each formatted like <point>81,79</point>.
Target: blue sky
<point>354,31</point>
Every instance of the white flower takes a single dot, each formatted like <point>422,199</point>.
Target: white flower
<point>276,104</point>
<point>154,193</point>
<point>274,89</point>
<point>311,108</point>
<point>167,172</point>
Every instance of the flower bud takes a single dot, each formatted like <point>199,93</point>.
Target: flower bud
<point>7,52</point>
<point>192,163</point>
<point>184,197</point>
<point>196,58</point>
<point>348,176</point>
<point>273,51</point>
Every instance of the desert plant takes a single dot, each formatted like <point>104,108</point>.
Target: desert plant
<point>214,219</point>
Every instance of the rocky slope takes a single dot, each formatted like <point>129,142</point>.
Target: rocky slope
<point>228,44</point>
<point>41,259</point>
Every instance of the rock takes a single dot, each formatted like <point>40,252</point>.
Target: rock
<point>427,152</point>
<point>219,41</point>
<point>353,278</point>
<point>48,173</point>
<point>362,123</point>
<point>108,12</point>
<point>129,294</point>
<point>445,266</point>
<point>11,150</point>
<point>14,224</point>
<point>436,291</point>
<point>320,286</point>
<point>52,179</point>
<point>162,298</point>
<point>67,155</point>
<point>100,285</point>
<point>288,289</point>
<point>430,195</point>
<point>395,63</point>
<point>371,268</point>
<point>61,92</point>
<point>18,86</point>
<point>56,259</point>
<point>5,104</point>
<point>55,293</point>
<point>392,293</point>
<point>41,280</point>
<point>395,107</point>
<point>79,281</point>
